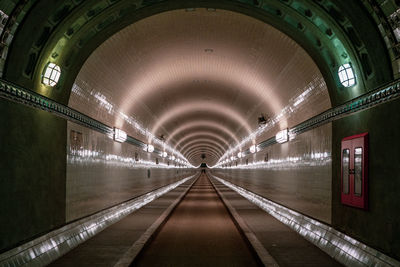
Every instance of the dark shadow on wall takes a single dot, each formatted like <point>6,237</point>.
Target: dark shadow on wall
<point>379,226</point>
<point>32,172</point>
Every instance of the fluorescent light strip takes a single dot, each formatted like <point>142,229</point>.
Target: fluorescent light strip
<point>86,156</point>
<point>341,247</point>
<point>110,107</point>
<point>315,159</point>
<point>47,248</point>
<point>318,85</point>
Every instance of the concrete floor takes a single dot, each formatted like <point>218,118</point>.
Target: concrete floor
<point>200,232</point>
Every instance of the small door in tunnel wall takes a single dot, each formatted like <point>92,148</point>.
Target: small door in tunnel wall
<point>354,171</point>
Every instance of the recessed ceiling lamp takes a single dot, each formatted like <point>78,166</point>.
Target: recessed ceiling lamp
<point>51,74</point>
<point>346,75</point>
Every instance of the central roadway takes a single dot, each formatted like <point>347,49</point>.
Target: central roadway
<point>199,232</point>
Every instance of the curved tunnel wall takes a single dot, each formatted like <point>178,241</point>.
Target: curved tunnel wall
<point>222,78</point>
<point>102,173</point>
<point>297,174</point>
<point>104,88</point>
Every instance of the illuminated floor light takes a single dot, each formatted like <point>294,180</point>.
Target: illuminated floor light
<point>346,75</point>
<point>51,74</point>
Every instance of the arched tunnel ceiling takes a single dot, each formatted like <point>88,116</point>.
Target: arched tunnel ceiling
<point>199,74</point>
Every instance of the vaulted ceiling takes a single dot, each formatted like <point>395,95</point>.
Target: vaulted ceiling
<point>199,77</point>
<point>194,72</point>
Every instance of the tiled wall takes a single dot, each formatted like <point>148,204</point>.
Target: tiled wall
<point>102,173</point>
<point>297,174</point>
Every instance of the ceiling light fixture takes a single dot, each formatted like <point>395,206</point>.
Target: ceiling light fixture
<point>346,75</point>
<point>51,74</point>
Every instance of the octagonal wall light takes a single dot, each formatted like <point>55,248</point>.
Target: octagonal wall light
<point>119,135</point>
<point>51,74</point>
<point>346,75</point>
<point>253,149</point>
<point>164,154</point>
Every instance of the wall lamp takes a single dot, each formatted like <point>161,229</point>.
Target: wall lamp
<point>253,149</point>
<point>148,148</point>
<point>119,135</point>
<point>282,136</point>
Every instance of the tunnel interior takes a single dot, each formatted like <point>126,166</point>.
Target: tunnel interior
<point>202,90</point>
<point>198,85</point>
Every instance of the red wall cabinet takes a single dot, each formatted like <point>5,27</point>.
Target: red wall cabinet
<point>354,175</point>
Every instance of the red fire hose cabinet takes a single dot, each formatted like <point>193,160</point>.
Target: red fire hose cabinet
<point>354,171</point>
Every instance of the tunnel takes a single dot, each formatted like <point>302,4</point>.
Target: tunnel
<point>199,133</point>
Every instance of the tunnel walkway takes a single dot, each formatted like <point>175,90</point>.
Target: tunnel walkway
<point>197,231</point>
<point>111,245</point>
<point>200,232</point>
<point>283,244</point>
